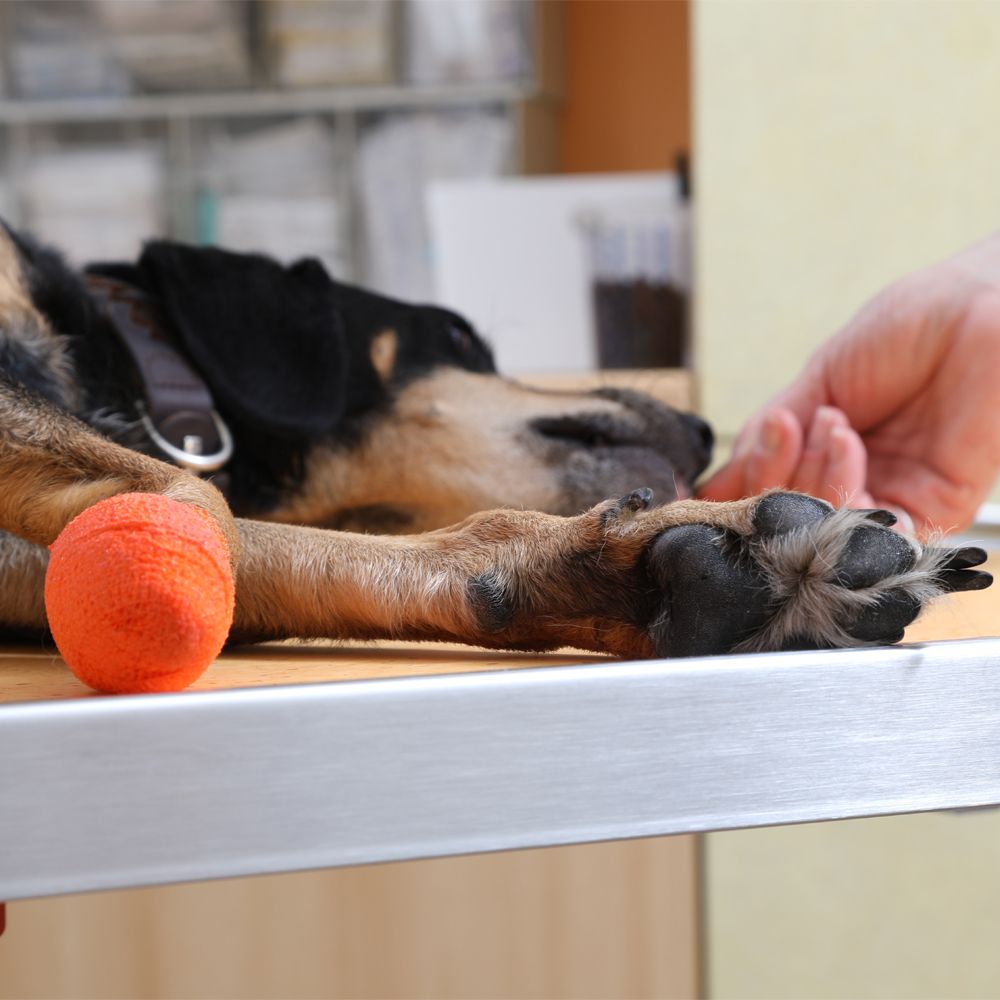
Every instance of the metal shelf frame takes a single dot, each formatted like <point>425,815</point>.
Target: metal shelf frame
<point>259,103</point>
<point>103,793</point>
<point>181,121</point>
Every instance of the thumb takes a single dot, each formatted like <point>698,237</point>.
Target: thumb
<point>726,484</point>
<point>766,456</point>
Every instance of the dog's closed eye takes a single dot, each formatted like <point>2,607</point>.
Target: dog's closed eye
<point>461,339</point>
<point>592,430</point>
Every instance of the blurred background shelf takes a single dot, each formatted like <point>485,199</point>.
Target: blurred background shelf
<point>262,102</point>
<point>288,127</point>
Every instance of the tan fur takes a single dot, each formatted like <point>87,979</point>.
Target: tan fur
<point>571,580</point>
<point>383,354</point>
<point>14,298</point>
<point>462,425</point>
<point>22,582</point>
<point>53,467</point>
<point>20,318</point>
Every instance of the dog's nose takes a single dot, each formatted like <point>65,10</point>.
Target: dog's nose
<point>701,433</point>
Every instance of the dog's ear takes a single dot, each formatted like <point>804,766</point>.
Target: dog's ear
<point>267,338</point>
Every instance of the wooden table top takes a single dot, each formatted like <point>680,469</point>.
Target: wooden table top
<point>33,674</point>
<point>39,674</point>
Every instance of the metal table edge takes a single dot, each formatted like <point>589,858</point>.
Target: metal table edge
<point>103,793</point>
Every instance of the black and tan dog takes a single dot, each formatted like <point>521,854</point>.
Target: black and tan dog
<point>347,414</point>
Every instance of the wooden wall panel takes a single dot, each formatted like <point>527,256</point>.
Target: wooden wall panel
<point>600,920</point>
<point>627,91</point>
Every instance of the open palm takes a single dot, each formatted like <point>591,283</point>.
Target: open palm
<point>901,409</point>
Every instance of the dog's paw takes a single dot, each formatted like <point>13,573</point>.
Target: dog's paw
<point>805,577</point>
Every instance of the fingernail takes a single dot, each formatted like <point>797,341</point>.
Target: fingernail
<point>839,439</point>
<point>904,523</point>
<point>769,439</point>
<point>831,415</point>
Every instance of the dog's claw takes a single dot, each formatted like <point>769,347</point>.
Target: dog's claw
<point>956,580</point>
<point>880,516</point>
<point>631,503</point>
<point>964,558</point>
<point>638,499</point>
<point>955,573</point>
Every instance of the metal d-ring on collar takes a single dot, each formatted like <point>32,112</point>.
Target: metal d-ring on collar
<point>177,410</point>
<point>190,455</point>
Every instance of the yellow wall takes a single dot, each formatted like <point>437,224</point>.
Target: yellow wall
<point>839,145</point>
<point>899,907</point>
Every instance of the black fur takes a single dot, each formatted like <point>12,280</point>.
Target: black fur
<point>285,351</point>
<point>490,602</point>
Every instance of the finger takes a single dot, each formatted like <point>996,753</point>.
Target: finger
<point>726,484</point>
<point>810,474</point>
<point>772,461</point>
<point>766,457</point>
<point>843,478</point>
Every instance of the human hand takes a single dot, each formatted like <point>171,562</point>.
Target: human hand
<point>898,410</point>
<point>826,459</point>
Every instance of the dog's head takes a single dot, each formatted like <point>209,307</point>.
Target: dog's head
<point>355,411</point>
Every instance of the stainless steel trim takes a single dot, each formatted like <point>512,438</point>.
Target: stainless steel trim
<point>109,792</point>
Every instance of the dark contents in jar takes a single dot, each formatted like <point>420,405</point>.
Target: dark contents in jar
<point>640,324</point>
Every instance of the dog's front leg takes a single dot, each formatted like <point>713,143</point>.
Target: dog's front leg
<point>689,578</point>
<point>502,579</point>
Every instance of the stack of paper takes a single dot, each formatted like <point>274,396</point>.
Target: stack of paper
<point>57,49</point>
<point>171,45</point>
<point>95,203</point>
<point>312,44</point>
<point>273,190</point>
<point>451,40</point>
<point>399,156</point>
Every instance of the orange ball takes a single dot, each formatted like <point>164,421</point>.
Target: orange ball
<point>139,594</point>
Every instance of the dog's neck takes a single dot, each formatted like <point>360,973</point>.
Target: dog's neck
<point>118,395</point>
<point>175,404</point>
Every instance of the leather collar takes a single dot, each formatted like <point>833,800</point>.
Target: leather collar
<point>176,405</point>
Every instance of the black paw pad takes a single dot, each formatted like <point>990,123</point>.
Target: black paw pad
<point>781,512</point>
<point>871,554</point>
<point>711,602</point>
<point>885,620</point>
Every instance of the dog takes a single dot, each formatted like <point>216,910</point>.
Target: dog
<point>375,477</point>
